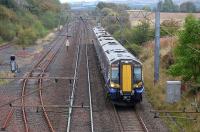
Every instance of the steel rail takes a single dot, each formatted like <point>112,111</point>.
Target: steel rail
<point>142,122</point>
<point>24,87</point>
<point>23,91</point>
<point>7,120</point>
<point>8,117</point>
<point>74,84</point>
<point>51,56</point>
<point>73,92</point>
<point>23,104</point>
<point>89,87</point>
<point>118,119</point>
<point>53,106</point>
<point>61,78</point>
<point>43,107</point>
<point>120,123</point>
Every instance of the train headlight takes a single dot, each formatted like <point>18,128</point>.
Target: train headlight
<point>139,84</point>
<point>112,85</point>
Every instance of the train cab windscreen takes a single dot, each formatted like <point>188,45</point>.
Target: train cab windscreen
<point>137,74</point>
<point>115,75</point>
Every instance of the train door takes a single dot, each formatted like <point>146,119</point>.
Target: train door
<point>126,77</point>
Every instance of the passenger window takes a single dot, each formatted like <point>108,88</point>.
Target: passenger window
<point>137,74</point>
<point>115,75</point>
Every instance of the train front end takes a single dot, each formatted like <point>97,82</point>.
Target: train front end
<point>125,85</point>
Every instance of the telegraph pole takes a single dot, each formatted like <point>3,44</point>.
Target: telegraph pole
<point>157,44</point>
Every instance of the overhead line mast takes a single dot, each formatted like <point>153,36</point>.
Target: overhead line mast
<point>157,44</point>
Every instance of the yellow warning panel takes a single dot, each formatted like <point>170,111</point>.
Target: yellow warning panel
<point>126,78</point>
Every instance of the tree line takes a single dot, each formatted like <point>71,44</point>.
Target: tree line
<point>25,25</point>
<point>169,6</point>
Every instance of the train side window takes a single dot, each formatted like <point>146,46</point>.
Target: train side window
<point>137,74</point>
<point>115,75</point>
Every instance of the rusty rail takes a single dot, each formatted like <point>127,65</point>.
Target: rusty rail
<point>49,57</point>
<point>7,120</point>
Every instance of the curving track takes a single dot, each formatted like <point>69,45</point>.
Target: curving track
<point>38,70</point>
<point>41,66</point>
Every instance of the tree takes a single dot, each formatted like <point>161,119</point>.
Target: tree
<point>188,7</point>
<point>113,16</point>
<point>141,33</point>
<point>101,5</point>
<point>187,52</point>
<point>146,8</point>
<point>168,6</point>
<point>8,3</point>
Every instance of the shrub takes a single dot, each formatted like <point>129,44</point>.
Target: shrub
<point>49,19</point>
<point>113,28</point>
<point>7,30</point>
<point>7,14</point>
<point>1,40</point>
<point>8,3</point>
<point>27,36</point>
<point>187,52</point>
<point>39,29</point>
<point>142,33</point>
<point>134,49</point>
<point>167,60</point>
<point>169,27</point>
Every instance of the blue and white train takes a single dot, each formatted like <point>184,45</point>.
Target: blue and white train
<point>121,70</point>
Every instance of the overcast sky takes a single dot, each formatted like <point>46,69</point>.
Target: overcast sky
<point>63,1</point>
<point>69,1</point>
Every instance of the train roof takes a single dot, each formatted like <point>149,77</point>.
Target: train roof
<point>112,48</point>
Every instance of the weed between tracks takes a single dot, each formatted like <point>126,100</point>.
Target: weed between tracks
<point>157,94</point>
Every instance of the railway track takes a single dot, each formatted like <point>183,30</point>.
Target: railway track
<point>129,120</point>
<point>81,118</point>
<point>38,70</point>
<point>42,65</point>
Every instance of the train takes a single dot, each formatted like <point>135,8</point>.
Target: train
<point>122,71</point>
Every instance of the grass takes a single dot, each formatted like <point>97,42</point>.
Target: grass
<point>157,93</point>
<point>5,74</point>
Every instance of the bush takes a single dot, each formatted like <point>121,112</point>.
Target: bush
<point>186,52</point>
<point>39,29</point>
<point>27,36</point>
<point>7,30</point>
<point>113,28</point>
<point>7,14</point>
<point>25,25</point>
<point>26,19</point>
<point>8,3</point>
<point>134,49</point>
<point>167,60</point>
<point>49,19</point>
<point>1,40</point>
<point>142,33</point>
<point>169,27</point>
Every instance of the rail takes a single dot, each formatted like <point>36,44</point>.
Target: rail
<point>73,88</point>
<point>90,96</point>
<point>46,59</point>
<point>73,92</point>
<point>129,120</point>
